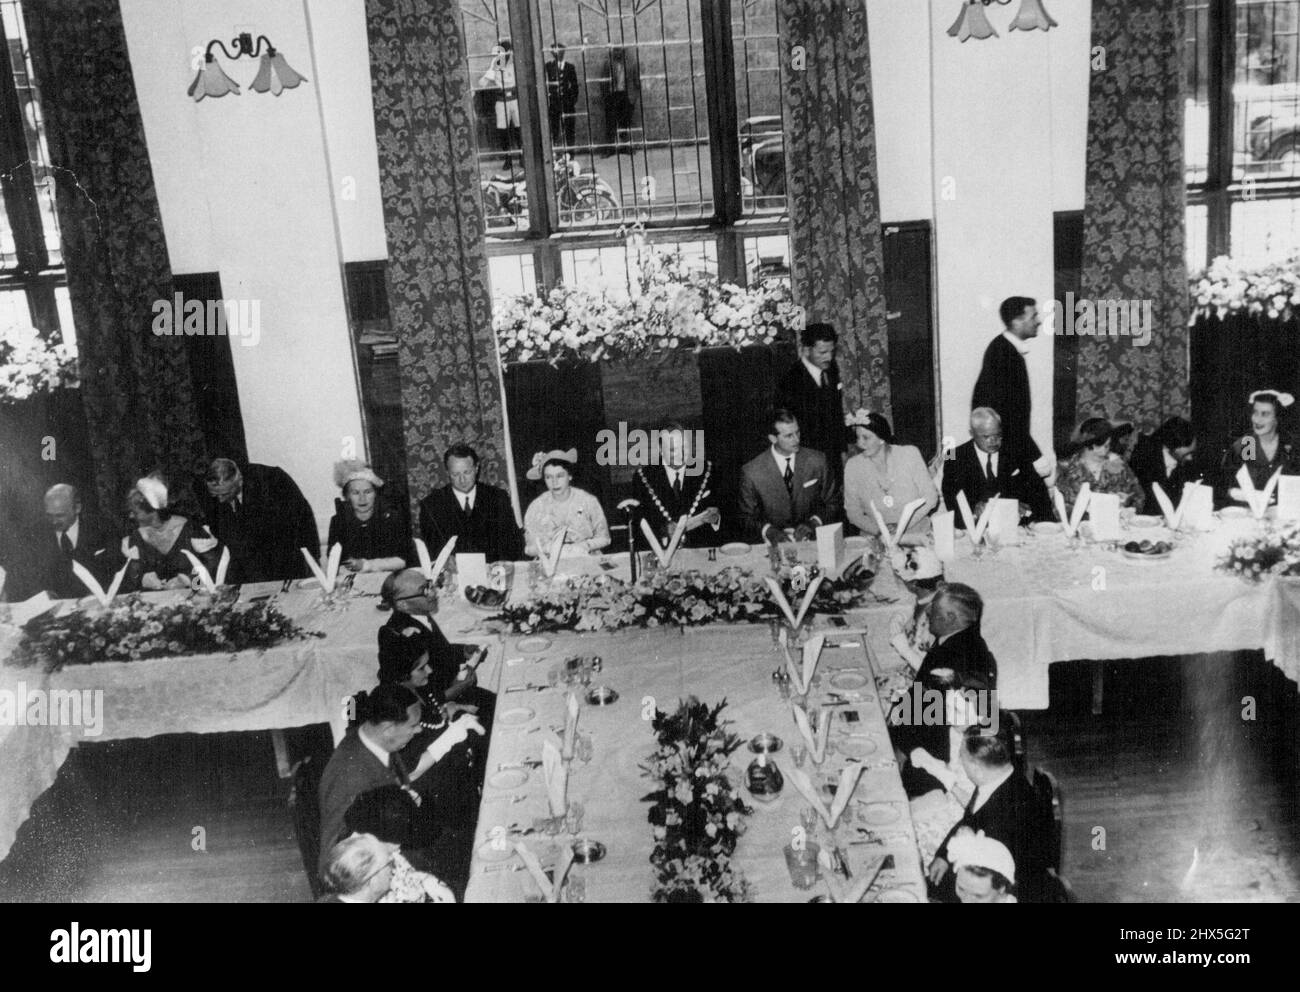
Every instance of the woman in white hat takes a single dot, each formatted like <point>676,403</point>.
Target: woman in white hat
<point>157,545</point>
<point>562,507</point>
<point>985,870</point>
<point>1264,450</point>
<point>374,536</point>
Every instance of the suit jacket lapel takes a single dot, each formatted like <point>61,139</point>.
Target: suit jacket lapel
<point>771,482</point>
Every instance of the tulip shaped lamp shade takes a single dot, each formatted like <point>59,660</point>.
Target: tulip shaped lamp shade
<point>274,74</point>
<point>973,21</point>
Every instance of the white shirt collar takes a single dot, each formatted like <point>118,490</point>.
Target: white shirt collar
<point>472,496</point>
<point>423,621</point>
<point>987,790</point>
<point>1171,462</point>
<point>1021,346</point>
<point>372,747</point>
<point>987,457</point>
<point>781,460</point>
<point>813,370</point>
<point>73,531</point>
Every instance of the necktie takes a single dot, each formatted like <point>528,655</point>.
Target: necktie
<point>821,380</point>
<point>789,476</point>
<point>65,543</point>
<point>466,506</point>
<point>988,469</point>
<point>677,485</point>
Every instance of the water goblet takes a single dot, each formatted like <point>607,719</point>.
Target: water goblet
<point>575,888</point>
<point>585,748</point>
<point>798,754</point>
<point>573,817</point>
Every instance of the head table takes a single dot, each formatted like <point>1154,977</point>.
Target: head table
<point>1045,603</point>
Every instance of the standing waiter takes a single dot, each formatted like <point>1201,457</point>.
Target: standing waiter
<point>1003,383</point>
<point>812,391</point>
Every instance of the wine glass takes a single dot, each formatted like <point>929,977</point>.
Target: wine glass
<point>585,749</point>
<point>573,817</point>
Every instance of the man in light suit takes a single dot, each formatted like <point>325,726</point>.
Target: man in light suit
<point>986,466</point>
<point>787,491</point>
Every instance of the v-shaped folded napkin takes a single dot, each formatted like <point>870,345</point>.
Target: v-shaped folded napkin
<point>843,793</point>
<point>1074,518</point>
<point>904,520</point>
<point>801,678</point>
<point>974,528</point>
<point>550,888</point>
<point>550,557</point>
<point>816,739</point>
<point>556,774</point>
<point>852,891</point>
<point>330,575</point>
<point>90,582</point>
<point>1172,517</point>
<point>203,575</point>
<point>778,596</point>
<point>30,609</point>
<point>665,555</point>
<point>1257,500</point>
<point>432,569</point>
<point>570,727</point>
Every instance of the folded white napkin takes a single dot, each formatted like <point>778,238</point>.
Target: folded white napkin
<point>30,609</point>
<point>550,557</point>
<point>90,582</point>
<point>201,573</point>
<point>330,574</point>
<point>815,738</point>
<point>1071,521</point>
<point>904,519</point>
<point>556,774</point>
<point>570,727</point>
<point>801,678</point>
<point>851,892</point>
<point>1172,517</point>
<point>784,604</point>
<point>1257,500</point>
<point>432,569</point>
<point>974,528</point>
<point>843,793</point>
<point>945,537</point>
<point>665,555</point>
<point>550,889</point>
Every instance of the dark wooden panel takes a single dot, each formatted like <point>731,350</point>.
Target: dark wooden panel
<point>1068,242</point>
<point>908,301</point>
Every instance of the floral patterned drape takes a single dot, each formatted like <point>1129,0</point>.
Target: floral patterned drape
<point>136,387</point>
<point>1135,212</point>
<point>837,255</point>
<point>437,268</point>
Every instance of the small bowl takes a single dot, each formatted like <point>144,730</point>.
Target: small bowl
<point>601,695</point>
<point>588,852</point>
<point>765,743</point>
<point>821,899</point>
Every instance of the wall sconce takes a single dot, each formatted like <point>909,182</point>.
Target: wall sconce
<point>274,76</point>
<point>973,22</point>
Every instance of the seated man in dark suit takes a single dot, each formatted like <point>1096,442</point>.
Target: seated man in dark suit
<point>261,515</point>
<point>1165,456</point>
<point>479,516</point>
<point>672,488</point>
<point>984,467</point>
<point>1005,808</point>
<point>74,536</point>
<point>414,601</point>
<point>787,491</point>
<point>959,661</point>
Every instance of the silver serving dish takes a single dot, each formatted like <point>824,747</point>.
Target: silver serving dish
<point>601,695</point>
<point>587,852</point>
<point>765,743</point>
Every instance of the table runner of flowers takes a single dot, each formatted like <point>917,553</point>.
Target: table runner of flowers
<point>1273,549</point>
<point>132,629</point>
<point>696,811</point>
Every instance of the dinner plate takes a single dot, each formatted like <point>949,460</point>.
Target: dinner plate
<point>735,549</point>
<point>1046,527</point>
<point>896,895</point>
<point>878,814</point>
<point>516,717</point>
<point>1139,556</point>
<point>492,853</point>
<point>533,645</point>
<point>849,681</point>
<point>856,747</point>
<point>1234,513</point>
<point>508,778</point>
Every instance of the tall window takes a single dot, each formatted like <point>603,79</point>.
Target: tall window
<point>592,115</point>
<point>1243,129</point>
<point>33,284</point>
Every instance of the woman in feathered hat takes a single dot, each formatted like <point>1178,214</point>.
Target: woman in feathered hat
<point>157,545</point>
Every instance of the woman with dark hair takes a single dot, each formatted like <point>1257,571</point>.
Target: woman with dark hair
<point>1164,456</point>
<point>389,814</point>
<point>887,474</point>
<point>374,536</point>
<point>562,507</point>
<point>1265,450</point>
<point>1094,464</point>
<point>156,547</point>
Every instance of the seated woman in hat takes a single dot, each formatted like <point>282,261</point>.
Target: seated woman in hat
<point>1264,450</point>
<point>1093,463</point>
<point>562,507</point>
<point>887,474</point>
<point>374,536</point>
<point>157,546</point>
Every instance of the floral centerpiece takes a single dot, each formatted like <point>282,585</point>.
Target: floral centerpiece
<point>696,811</point>
<point>1228,287</point>
<point>1274,549</point>
<point>31,362</point>
<point>133,628</point>
<point>669,305</point>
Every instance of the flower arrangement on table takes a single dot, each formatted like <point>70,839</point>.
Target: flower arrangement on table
<point>670,305</point>
<point>685,599</point>
<point>1274,549</point>
<point>696,811</point>
<point>1228,287</point>
<point>32,362</point>
<point>133,628</point>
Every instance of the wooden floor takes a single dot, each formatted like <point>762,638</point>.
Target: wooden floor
<point>1169,796</point>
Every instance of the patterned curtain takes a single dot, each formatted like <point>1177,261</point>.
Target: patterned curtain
<point>437,268</point>
<point>1135,212</point>
<point>837,255</point>
<point>136,386</point>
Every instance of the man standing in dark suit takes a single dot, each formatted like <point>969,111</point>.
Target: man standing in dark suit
<point>261,515</point>
<point>811,390</point>
<point>988,466</point>
<point>788,490</point>
<point>669,490</point>
<point>479,516</point>
<point>1165,456</point>
<point>561,97</point>
<point>1006,809</point>
<point>1003,383</point>
<point>74,537</point>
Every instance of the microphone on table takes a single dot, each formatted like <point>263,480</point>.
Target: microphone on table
<point>629,507</point>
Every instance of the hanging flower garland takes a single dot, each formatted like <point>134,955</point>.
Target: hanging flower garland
<point>1228,287</point>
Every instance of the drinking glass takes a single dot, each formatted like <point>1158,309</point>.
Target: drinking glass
<point>534,575</point>
<point>993,540</point>
<point>976,549</point>
<point>573,817</point>
<point>798,754</point>
<point>575,888</point>
<point>585,748</point>
<point>809,819</point>
<point>553,677</point>
<point>802,864</point>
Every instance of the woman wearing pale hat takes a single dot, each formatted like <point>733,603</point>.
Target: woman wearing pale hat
<point>887,474</point>
<point>1265,449</point>
<point>985,870</point>
<point>562,507</point>
<point>156,547</point>
<point>374,536</point>
<point>1091,462</point>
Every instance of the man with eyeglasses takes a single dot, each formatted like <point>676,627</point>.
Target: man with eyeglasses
<point>987,466</point>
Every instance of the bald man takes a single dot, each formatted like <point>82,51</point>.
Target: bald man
<point>73,536</point>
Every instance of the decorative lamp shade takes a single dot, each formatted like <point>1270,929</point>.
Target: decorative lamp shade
<point>972,22</point>
<point>212,81</point>
<point>1033,17</point>
<point>275,75</point>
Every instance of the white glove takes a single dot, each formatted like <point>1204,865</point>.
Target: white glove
<point>458,731</point>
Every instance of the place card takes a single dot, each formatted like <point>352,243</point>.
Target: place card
<point>471,570</point>
<point>1004,522</point>
<point>1198,503</point>
<point>1288,497</point>
<point>1103,511</point>
<point>831,553</point>
<point>945,537</point>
